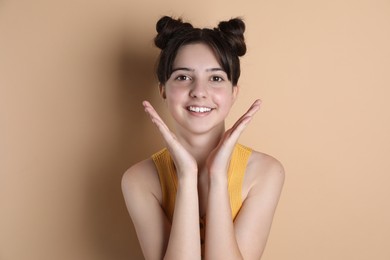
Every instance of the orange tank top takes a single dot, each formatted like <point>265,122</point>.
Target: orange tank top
<point>168,181</point>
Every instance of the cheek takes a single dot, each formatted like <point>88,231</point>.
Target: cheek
<point>174,93</point>
<point>174,90</point>
<point>224,98</point>
<point>174,99</point>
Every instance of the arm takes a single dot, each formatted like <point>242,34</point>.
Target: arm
<point>246,237</point>
<point>141,191</point>
<point>220,239</point>
<point>184,239</point>
<point>157,237</point>
<point>253,223</point>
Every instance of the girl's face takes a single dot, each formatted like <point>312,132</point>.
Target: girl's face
<point>198,93</point>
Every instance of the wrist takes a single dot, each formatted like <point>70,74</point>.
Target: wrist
<point>187,178</point>
<point>219,179</point>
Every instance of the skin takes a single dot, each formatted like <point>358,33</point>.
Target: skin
<point>201,149</point>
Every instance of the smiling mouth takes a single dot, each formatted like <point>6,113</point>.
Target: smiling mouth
<point>199,109</point>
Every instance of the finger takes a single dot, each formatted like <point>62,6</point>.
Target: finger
<point>149,109</point>
<point>236,130</point>
<point>234,134</point>
<point>250,112</point>
<point>159,123</point>
<point>253,108</point>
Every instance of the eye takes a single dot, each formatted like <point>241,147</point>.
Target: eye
<point>182,78</point>
<point>216,78</point>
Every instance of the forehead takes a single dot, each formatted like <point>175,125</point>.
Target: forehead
<point>196,55</point>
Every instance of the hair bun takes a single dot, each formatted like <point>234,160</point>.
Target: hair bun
<point>166,28</point>
<point>233,31</point>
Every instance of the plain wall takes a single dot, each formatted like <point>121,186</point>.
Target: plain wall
<point>72,78</point>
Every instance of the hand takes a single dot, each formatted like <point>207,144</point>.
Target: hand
<point>185,163</point>
<point>219,158</point>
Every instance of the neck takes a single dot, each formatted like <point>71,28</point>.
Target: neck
<point>201,145</point>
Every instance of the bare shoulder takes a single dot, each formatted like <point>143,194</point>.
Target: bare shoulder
<point>141,179</point>
<point>263,182</point>
<point>263,172</point>
<point>265,165</point>
<point>142,194</point>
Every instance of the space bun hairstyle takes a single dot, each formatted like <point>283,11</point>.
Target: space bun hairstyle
<point>227,41</point>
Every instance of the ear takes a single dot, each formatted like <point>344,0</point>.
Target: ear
<point>161,88</point>
<point>236,89</point>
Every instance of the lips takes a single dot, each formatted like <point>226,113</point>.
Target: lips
<point>199,109</point>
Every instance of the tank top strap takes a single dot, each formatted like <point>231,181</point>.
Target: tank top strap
<point>168,180</point>
<point>236,172</point>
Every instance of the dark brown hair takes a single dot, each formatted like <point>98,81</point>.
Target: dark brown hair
<point>227,42</point>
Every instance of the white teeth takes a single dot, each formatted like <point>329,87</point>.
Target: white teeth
<point>199,109</point>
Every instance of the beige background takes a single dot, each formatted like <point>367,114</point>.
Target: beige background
<point>73,75</point>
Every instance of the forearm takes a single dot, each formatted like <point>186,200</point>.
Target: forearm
<point>184,239</point>
<point>221,242</point>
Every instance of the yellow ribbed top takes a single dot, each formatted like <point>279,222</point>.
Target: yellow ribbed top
<point>168,180</point>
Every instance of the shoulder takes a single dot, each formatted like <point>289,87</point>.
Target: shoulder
<point>265,164</point>
<point>142,195</point>
<point>141,179</point>
<point>263,172</point>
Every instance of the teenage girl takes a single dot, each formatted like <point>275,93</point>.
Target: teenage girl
<point>204,196</point>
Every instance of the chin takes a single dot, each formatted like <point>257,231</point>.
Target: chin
<point>202,129</point>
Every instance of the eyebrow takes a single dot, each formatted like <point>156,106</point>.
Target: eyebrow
<point>188,69</point>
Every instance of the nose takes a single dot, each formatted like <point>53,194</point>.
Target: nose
<point>198,90</point>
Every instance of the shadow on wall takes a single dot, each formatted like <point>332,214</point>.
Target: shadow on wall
<point>110,227</point>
